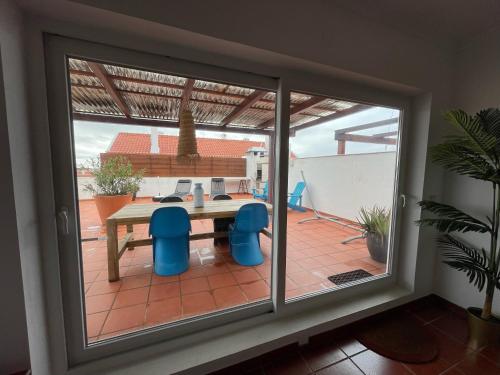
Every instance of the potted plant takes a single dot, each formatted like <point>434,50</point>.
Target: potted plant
<point>114,184</point>
<point>376,223</point>
<point>474,151</point>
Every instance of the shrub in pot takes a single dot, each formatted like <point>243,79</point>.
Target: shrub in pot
<point>473,151</point>
<point>376,223</point>
<point>114,184</point>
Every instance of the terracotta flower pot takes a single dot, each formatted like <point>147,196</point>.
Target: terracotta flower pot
<point>107,205</point>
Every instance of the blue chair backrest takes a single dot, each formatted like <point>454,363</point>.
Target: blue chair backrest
<point>299,188</point>
<point>252,217</point>
<point>265,191</point>
<point>169,222</point>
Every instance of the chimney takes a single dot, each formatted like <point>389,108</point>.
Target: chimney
<point>155,147</point>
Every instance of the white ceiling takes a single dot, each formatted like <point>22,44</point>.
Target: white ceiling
<point>448,23</point>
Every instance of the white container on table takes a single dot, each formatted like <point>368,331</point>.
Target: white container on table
<point>198,195</point>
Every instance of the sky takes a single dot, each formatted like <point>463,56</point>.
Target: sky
<point>93,138</point>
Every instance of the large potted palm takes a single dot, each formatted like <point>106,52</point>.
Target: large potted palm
<point>376,222</point>
<point>114,184</point>
<point>474,151</point>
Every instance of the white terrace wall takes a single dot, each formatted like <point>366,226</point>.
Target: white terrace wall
<point>341,184</point>
<point>151,186</point>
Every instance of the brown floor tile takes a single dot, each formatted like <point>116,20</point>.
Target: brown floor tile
<point>321,355</point>
<point>454,326</point>
<point>351,346</point>
<point>475,364</point>
<point>292,364</point>
<point>345,367</point>
<point>374,364</point>
<point>492,353</point>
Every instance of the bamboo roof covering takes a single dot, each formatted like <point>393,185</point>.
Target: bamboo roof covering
<point>110,93</point>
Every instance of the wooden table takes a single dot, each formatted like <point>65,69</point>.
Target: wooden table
<point>141,214</point>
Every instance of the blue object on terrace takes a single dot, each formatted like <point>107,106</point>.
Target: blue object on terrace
<point>264,195</point>
<point>170,227</point>
<point>295,198</point>
<point>244,241</point>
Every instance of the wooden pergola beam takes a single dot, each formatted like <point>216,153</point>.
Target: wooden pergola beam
<point>107,119</point>
<point>102,74</point>
<point>339,114</point>
<point>186,94</point>
<point>369,125</point>
<point>249,101</point>
<point>296,109</point>
<point>364,139</point>
<point>384,135</point>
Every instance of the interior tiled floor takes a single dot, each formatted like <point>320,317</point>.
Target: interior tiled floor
<point>214,281</point>
<point>338,352</point>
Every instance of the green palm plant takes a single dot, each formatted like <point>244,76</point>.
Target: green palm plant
<point>473,151</point>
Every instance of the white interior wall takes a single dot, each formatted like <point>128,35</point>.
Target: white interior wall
<point>341,184</point>
<point>14,231</point>
<point>476,86</point>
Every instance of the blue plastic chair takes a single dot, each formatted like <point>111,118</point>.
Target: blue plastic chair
<point>170,227</point>
<point>264,195</point>
<point>295,198</point>
<point>244,242</point>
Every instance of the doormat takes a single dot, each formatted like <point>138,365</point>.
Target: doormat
<point>400,338</point>
<point>347,277</point>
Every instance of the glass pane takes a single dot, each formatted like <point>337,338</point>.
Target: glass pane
<point>342,170</point>
<point>126,123</point>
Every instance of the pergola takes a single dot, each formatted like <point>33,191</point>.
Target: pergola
<point>113,94</point>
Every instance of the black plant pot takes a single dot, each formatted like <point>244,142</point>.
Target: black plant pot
<point>377,246</point>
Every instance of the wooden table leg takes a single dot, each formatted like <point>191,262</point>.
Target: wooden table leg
<point>113,260</point>
<point>130,229</point>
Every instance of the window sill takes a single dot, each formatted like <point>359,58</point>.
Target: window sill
<point>225,350</point>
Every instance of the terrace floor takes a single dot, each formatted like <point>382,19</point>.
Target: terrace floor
<point>214,281</point>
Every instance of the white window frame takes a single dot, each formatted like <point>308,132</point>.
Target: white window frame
<point>283,81</point>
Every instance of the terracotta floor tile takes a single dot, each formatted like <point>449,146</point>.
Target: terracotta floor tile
<point>139,270</point>
<point>221,280</point>
<point>131,297</point>
<point>345,367</point>
<point>157,279</point>
<point>256,290</point>
<point>192,273</point>
<point>246,276</point>
<point>163,291</point>
<point>104,287</point>
<point>197,303</point>
<point>163,311</point>
<point>124,318</point>
<point>95,322</point>
<point>374,364</point>
<point>137,281</point>
<point>98,303</point>
<point>304,278</point>
<point>199,284</point>
<point>229,296</point>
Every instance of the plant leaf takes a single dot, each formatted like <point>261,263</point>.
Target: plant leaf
<point>451,219</point>
<point>465,258</point>
<point>456,156</point>
<point>483,142</point>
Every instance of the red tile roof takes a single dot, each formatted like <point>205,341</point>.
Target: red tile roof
<point>134,143</point>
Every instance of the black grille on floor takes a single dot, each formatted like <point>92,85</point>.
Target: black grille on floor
<point>347,277</point>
